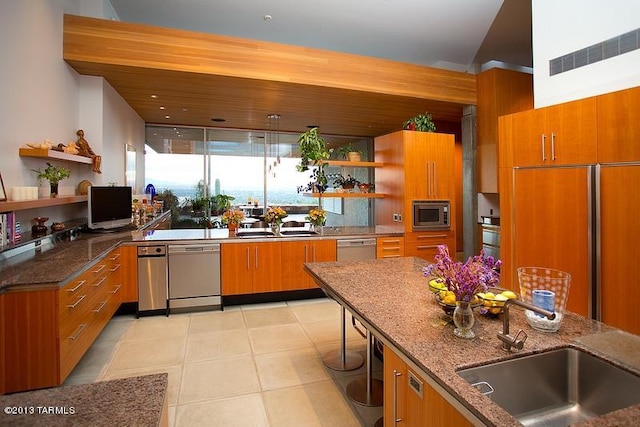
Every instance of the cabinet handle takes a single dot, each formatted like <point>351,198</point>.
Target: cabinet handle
<point>391,248</point>
<point>99,269</point>
<point>428,246</point>
<point>553,146</point>
<point>544,137</point>
<point>116,268</point>
<point>433,182</point>
<point>248,264</point>
<point>428,179</point>
<point>116,289</point>
<point>390,256</point>
<point>80,283</point>
<point>432,236</point>
<point>100,282</point>
<point>115,257</point>
<point>78,332</point>
<point>75,304</point>
<point>99,309</point>
<point>396,374</point>
<point>313,253</point>
<point>306,258</point>
<point>256,257</point>
<point>384,242</point>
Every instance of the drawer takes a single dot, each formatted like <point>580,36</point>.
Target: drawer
<point>431,237</point>
<point>390,247</point>
<point>490,237</point>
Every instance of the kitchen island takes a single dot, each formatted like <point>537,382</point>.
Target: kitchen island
<point>392,299</point>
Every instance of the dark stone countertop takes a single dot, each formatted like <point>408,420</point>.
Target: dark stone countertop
<point>392,296</point>
<point>135,401</point>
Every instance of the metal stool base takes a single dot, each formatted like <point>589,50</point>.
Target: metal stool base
<point>338,362</point>
<point>379,423</point>
<point>359,391</point>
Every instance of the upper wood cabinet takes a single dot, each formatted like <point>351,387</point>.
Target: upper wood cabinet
<point>499,92</point>
<point>562,134</point>
<point>618,126</point>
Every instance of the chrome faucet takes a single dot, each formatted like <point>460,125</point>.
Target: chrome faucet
<point>518,340</point>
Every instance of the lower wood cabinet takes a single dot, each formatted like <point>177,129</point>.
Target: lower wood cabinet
<point>248,268</point>
<point>410,401</point>
<point>425,244</point>
<point>390,247</point>
<point>295,253</point>
<point>129,262</point>
<point>47,331</point>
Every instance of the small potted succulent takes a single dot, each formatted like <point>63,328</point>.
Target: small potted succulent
<point>54,175</point>
<point>420,123</point>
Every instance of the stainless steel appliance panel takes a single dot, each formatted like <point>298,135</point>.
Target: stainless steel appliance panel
<point>152,278</point>
<point>356,249</point>
<point>431,215</point>
<point>194,275</point>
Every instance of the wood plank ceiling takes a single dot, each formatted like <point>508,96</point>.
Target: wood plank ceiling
<point>177,77</point>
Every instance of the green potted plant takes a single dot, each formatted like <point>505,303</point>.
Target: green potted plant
<point>420,123</point>
<point>220,203</point>
<point>314,153</point>
<point>54,175</point>
<point>350,153</point>
<point>347,183</point>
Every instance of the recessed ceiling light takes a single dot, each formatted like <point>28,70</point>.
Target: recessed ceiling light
<point>167,117</point>
<point>184,110</point>
<point>162,107</point>
<point>218,119</point>
<point>267,18</point>
<point>312,126</point>
<point>154,96</point>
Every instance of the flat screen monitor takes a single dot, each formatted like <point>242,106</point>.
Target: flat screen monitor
<point>109,207</point>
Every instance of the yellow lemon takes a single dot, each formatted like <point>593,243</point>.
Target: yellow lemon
<point>500,300</point>
<point>450,299</point>
<point>509,294</point>
<point>489,295</point>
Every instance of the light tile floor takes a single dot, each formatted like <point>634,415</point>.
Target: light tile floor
<point>250,365</point>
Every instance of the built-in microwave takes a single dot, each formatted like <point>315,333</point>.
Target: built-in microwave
<point>431,214</point>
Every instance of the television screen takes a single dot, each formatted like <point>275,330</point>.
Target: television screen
<point>109,207</point>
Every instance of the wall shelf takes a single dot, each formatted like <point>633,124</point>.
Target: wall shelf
<point>346,195</point>
<point>40,203</point>
<point>43,153</point>
<point>348,163</point>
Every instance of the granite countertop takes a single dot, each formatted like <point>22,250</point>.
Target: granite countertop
<point>392,296</point>
<point>69,258</point>
<point>135,401</point>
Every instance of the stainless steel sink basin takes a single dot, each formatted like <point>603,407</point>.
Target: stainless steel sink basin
<point>298,233</point>
<point>249,232</point>
<point>556,388</point>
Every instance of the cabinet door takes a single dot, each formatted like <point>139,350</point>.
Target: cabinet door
<point>294,255</point>
<point>390,247</point>
<point>395,385</point>
<point>618,126</point>
<point>428,165</point>
<point>129,274</point>
<point>552,226</point>
<point>236,269</point>
<point>267,264</point>
<point>619,253</point>
<point>439,412</point>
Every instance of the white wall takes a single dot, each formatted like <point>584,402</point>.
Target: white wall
<point>41,97</point>
<point>562,27</point>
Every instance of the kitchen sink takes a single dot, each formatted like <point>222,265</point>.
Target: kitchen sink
<point>298,232</point>
<point>254,233</point>
<point>556,388</point>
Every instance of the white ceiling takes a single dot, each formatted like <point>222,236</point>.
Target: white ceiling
<point>452,34</point>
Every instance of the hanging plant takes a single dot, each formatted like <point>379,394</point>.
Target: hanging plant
<point>314,153</point>
<point>420,123</point>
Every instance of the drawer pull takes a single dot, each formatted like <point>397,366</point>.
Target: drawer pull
<point>115,257</point>
<point>80,283</point>
<point>99,269</point>
<point>79,331</point>
<point>117,288</point>
<point>75,304</point>
<point>99,309</point>
<point>384,242</point>
<point>391,256</point>
<point>100,282</point>
<point>391,248</point>
<point>427,246</point>
<point>116,268</point>
<point>433,236</point>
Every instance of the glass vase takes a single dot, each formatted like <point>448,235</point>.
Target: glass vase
<point>275,228</point>
<point>463,320</point>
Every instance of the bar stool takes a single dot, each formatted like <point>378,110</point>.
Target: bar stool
<point>367,391</point>
<point>343,359</point>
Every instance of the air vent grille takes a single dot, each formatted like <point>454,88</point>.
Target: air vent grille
<point>615,46</point>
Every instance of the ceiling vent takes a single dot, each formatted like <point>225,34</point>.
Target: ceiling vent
<point>615,46</point>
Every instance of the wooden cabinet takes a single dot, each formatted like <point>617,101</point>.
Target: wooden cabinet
<point>618,126</point>
<point>417,166</point>
<point>618,246</point>
<point>249,268</point>
<point>562,134</point>
<point>410,401</point>
<point>390,247</point>
<point>129,261</point>
<point>425,244</point>
<point>48,331</point>
<point>499,92</point>
<point>295,253</point>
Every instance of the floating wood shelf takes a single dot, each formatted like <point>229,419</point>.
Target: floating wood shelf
<point>347,195</point>
<point>354,164</point>
<point>53,154</point>
<point>40,203</point>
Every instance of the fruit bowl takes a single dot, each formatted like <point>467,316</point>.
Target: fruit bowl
<point>436,286</point>
<point>448,306</point>
<point>494,300</point>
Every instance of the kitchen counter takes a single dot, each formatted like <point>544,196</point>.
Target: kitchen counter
<point>135,401</point>
<point>392,298</point>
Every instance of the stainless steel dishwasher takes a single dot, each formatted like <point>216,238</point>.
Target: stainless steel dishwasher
<point>194,276</point>
<point>356,249</point>
<point>152,279</point>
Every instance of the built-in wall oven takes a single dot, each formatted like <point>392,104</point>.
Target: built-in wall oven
<point>431,215</point>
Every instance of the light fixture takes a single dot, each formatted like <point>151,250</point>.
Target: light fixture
<point>274,138</point>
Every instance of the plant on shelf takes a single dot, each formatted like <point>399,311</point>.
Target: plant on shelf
<point>350,152</point>
<point>220,203</point>
<point>232,218</point>
<point>420,123</point>
<point>346,183</point>
<point>313,154</point>
<point>317,183</point>
<point>54,175</point>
